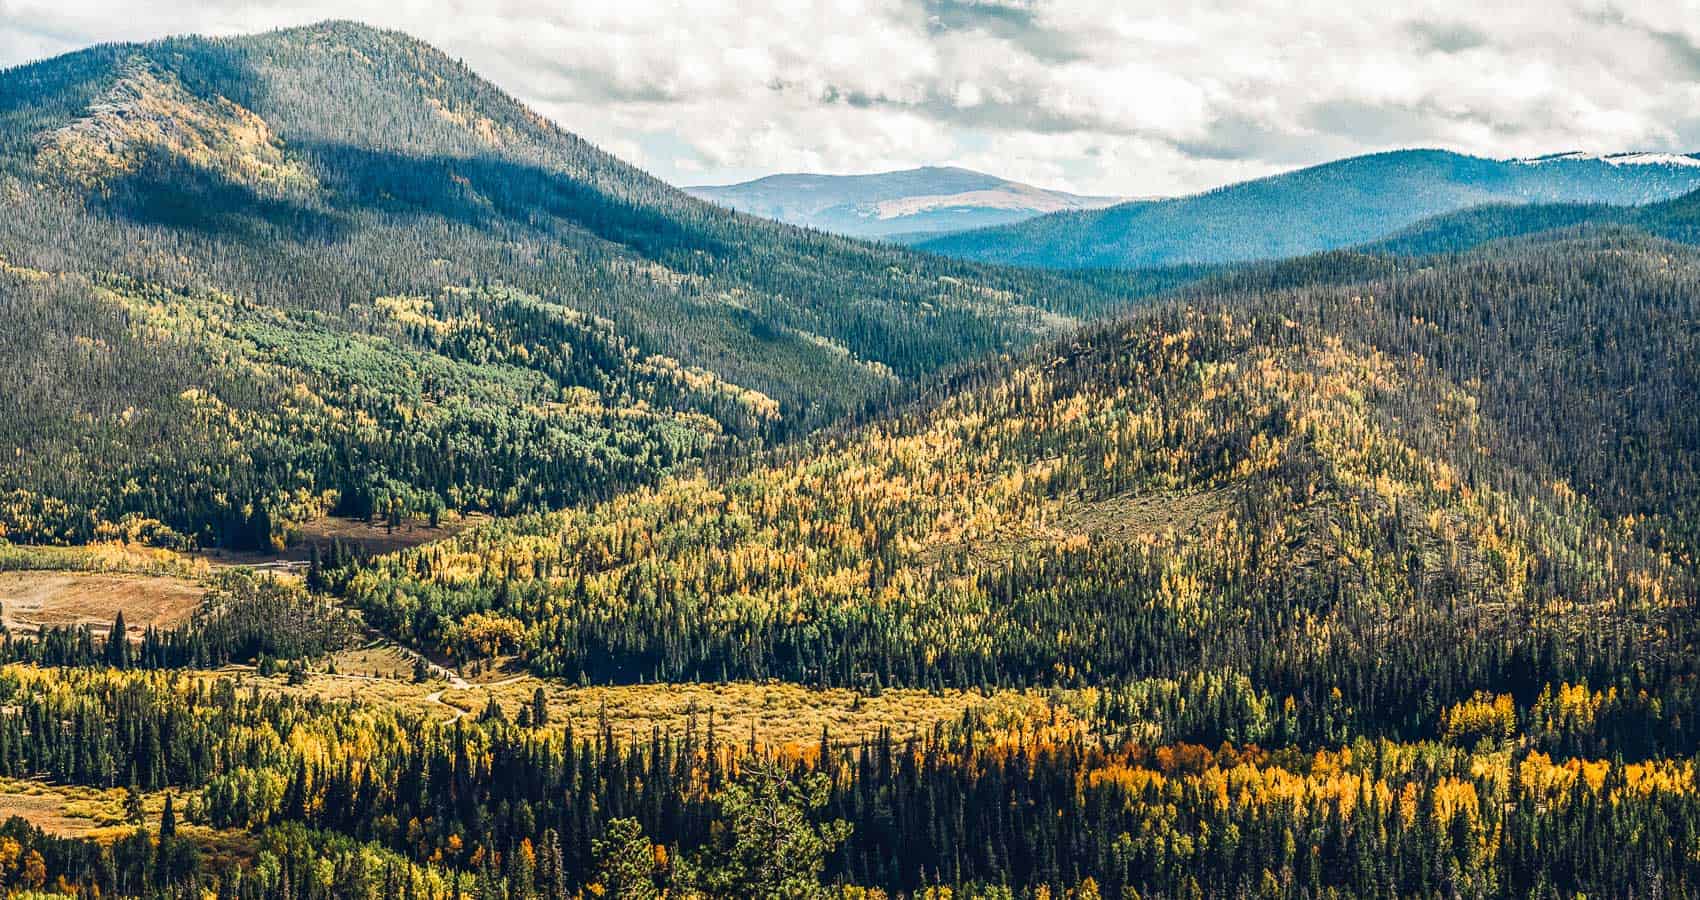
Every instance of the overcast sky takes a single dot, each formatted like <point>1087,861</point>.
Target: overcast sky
<point>1099,96</point>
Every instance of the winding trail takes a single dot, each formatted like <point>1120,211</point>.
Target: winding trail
<point>436,697</point>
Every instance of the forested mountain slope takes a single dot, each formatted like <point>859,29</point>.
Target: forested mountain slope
<point>1391,483</point>
<point>1338,204</point>
<point>1677,220</point>
<point>329,267</point>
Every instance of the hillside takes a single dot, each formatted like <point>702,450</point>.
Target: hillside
<point>1677,220</point>
<point>907,205</point>
<point>1339,477</point>
<point>402,498</point>
<point>330,269</point>
<point>1338,204</point>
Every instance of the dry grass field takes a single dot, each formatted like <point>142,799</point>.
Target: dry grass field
<point>74,811</point>
<point>376,537</point>
<point>32,600</point>
<point>85,812</point>
<point>379,660</point>
<point>778,713</point>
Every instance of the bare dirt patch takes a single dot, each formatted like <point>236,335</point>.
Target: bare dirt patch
<point>66,810</point>
<point>377,537</point>
<point>36,600</point>
<point>1123,518</point>
<point>47,811</point>
<point>374,537</point>
<point>1130,516</point>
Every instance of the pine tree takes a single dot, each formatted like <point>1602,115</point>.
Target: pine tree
<point>539,708</point>
<point>168,820</point>
<point>118,643</point>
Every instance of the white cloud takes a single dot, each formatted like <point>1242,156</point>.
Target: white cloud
<point>1100,96</point>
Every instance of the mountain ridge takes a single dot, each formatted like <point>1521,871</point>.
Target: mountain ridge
<point>1677,219</point>
<point>899,204</point>
<point>1333,464</point>
<point>1318,208</point>
<point>256,197</point>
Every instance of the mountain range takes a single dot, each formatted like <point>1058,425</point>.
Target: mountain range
<point>246,275</point>
<point>1352,552</point>
<point>907,205</point>
<point>1338,204</point>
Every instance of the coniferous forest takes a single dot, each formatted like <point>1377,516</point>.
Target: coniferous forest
<point>763,563</point>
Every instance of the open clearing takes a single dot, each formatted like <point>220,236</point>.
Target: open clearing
<point>51,809</point>
<point>777,713</point>
<point>36,600</point>
<point>374,537</point>
<point>73,810</point>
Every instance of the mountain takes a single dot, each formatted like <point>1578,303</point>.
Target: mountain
<point>817,569</point>
<point>1387,482</point>
<point>1338,204</point>
<point>1677,220</point>
<point>903,205</point>
<point>251,280</point>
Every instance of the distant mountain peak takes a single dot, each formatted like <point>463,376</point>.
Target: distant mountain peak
<point>921,200</point>
<point>263,231</point>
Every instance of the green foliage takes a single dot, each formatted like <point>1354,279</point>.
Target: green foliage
<point>1354,575</point>
<point>351,798</point>
<point>625,866</point>
<point>772,847</point>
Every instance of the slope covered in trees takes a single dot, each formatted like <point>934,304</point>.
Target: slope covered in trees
<point>1353,480</point>
<point>344,800</point>
<point>1324,598</point>
<point>331,267</point>
<point>1338,204</point>
<point>1677,220</point>
<point>1361,574</point>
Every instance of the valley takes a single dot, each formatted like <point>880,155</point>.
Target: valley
<point>401,496</point>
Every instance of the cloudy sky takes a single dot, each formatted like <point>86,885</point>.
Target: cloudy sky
<point>1126,97</point>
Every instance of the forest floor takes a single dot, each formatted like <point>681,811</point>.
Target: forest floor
<point>32,600</point>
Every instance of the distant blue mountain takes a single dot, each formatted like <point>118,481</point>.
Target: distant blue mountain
<point>909,204</point>
<point>1338,204</point>
<point>1676,220</point>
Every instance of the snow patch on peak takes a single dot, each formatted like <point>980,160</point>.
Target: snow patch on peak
<point>1652,159</point>
<point>1617,159</point>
